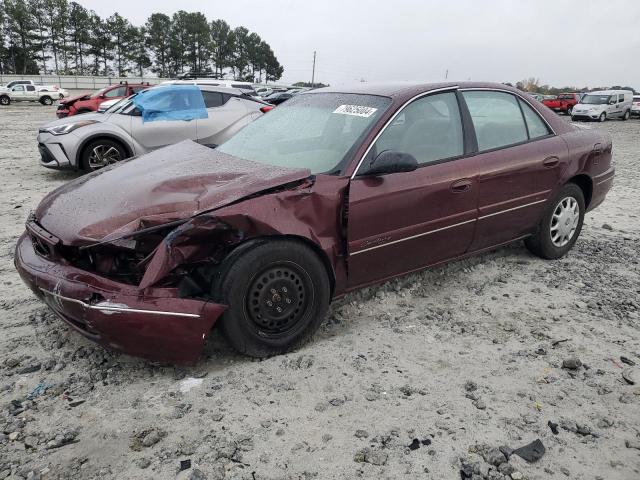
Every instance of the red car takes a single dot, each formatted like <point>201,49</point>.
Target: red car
<point>90,102</point>
<point>563,103</point>
<point>337,189</point>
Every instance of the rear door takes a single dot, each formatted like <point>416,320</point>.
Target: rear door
<point>404,221</point>
<point>226,115</point>
<point>520,163</point>
<point>31,93</point>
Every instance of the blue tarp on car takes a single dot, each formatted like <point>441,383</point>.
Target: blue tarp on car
<point>171,102</point>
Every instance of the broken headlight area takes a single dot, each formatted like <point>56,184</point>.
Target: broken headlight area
<point>168,256</point>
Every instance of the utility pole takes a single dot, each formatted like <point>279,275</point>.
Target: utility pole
<point>313,72</point>
<point>446,74</point>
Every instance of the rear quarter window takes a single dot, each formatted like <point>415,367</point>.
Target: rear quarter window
<point>497,119</point>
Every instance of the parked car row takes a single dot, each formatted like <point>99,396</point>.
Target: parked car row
<point>336,189</point>
<point>596,106</point>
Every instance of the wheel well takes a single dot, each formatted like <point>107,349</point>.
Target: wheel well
<point>101,137</point>
<point>293,238</point>
<point>586,185</point>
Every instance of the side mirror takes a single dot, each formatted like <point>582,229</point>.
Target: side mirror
<point>390,161</point>
<point>612,102</point>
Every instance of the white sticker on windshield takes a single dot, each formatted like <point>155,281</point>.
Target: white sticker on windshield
<point>357,110</point>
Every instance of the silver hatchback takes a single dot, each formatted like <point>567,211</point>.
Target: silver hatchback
<point>93,140</point>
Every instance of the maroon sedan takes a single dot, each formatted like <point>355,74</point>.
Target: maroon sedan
<point>335,190</point>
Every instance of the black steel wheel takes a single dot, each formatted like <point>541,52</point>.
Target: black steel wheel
<point>277,293</point>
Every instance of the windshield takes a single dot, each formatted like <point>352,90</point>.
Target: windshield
<point>566,96</point>
<point>595,99</point>
<point>119,104</point>
<point>99,92</point>
<point>314,131</point>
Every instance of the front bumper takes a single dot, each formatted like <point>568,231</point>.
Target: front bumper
<point>152,323</point>
<point>585,115</point>
<point>57,151</point>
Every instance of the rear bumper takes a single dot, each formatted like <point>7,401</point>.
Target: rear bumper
<point>601,186</point>
<point>153,323</point>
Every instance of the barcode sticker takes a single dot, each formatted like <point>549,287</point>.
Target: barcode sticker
<point>357,110</point>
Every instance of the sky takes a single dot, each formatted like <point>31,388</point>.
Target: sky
<point>562,42</point>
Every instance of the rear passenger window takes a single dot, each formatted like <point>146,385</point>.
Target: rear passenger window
<point>212,99</point>
<point>537,127</point>
<point>31,88</point>
<point>620,98</point>
<point>497,119</point>
<point>429,128</point>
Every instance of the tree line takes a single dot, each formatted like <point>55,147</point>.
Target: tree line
<point>64,38</point>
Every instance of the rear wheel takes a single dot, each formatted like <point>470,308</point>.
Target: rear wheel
<point>278,294</point>
<point>100,153</point>
<point>626,116</point>
<point>5,100</point>
<point>46,100</point>
<point>602,117</point>
<point>569,110</point>
<point>561,224</point>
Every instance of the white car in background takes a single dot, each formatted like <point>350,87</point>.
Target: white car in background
<point>635,108</point>
<point>604,105</point>
<point>93,140</point>
<point>31,93</point>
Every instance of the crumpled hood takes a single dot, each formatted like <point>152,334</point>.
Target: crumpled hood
<point>70,100</point>
<point>172,183</point>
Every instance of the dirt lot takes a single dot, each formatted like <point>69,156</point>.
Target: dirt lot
<point>456,362</point>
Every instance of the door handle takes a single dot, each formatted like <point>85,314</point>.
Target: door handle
<point>597,148</point>
<point>550,162</point>
<point>460,186</point>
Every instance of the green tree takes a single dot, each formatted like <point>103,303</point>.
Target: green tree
<point>122,37</point>
<point>79,18</point>
<point>100,45</point>
<point>22,37</point>
<point>222,44</point>
<point>157,41</point>
<point>178,41</point>
<point>138,53</point>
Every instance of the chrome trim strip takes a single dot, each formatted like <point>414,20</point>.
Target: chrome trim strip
<point>423,94</point>
<point>470,89</point>
<point>412,237</point>
<point>113,308</point>
<point>512,209</point>
<point>606,180</point>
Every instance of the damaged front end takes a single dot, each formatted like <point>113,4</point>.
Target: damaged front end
<point>147,289</point>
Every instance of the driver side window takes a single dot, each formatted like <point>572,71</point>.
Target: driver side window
<point>429,129</point>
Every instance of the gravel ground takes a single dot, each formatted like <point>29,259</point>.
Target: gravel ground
<point>434,375</point>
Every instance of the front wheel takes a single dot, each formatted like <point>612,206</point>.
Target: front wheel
<point>602,117</point>
<point>278,294</point>
<point>5,100</point>
<point>46,100</point>
<point>561,224</point>
<point>569,110</point>
<point>100,153</point>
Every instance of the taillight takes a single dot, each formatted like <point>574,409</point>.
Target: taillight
<point>266,108</point>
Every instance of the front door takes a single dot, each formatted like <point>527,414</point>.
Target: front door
<point>519,165</point>
<point>402,222</point>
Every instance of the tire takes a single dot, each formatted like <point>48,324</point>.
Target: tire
<point>46,100</point>
<point>60,96</point>
<point>549,241</point>
<point>275,274</point>
<point>573,119</point>
<point>569,110</point>
<point>100,153</point>
<point>5,100</point>
<point>626,116</point>
<point>602,117</point>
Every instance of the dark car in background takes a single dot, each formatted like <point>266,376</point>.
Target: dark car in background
<point>277,98</point>
<point>91,102</point>
<point>335,190</point>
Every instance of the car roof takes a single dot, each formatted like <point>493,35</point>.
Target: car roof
<point>401,89</point>
<point>204,86</point>
<point>609,92</point>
